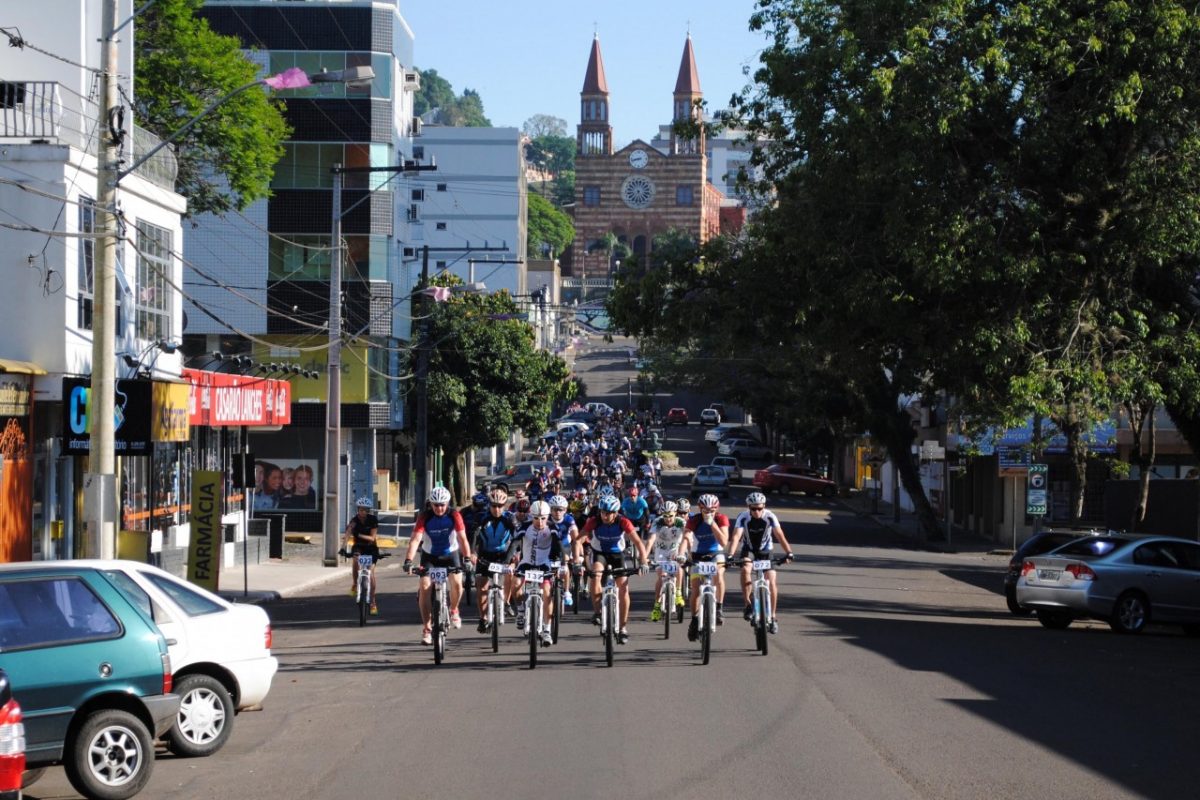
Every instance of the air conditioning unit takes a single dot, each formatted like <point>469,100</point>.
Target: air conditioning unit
<point>412,80</point>
<point>416,126</point>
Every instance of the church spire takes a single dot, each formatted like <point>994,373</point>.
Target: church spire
<point>594,135</point>
<point>687,94</point>
<point>688,81</point>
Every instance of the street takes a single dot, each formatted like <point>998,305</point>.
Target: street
<point>897,673</point>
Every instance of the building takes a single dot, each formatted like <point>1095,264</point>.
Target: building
<point>277,253</point>
<point>639,191</point>
<point>728,154</point>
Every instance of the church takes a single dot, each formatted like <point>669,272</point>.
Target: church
<point>637,192</point>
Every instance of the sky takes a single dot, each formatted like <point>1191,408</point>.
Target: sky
<point>528,57</point>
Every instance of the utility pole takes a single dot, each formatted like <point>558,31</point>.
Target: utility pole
<point>100,483</point>
<point>333,385</point>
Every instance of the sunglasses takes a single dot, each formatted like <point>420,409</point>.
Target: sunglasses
<point>438,505</point>
<point>608,512</point>
<point>499,505</point>
<point>758,508</point>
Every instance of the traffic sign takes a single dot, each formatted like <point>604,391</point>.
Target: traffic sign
<point>1036,492</point>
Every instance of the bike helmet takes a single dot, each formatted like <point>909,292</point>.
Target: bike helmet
<point>684,504</point>
<point>670,507</point>
<point>439,496</point>
<point>651,489</point>
<point>522,506</point>
<point>539,508</point>
<point>709,502</point>
<point>363,502</point>
<point>606,491</point>
<point>756,499</point>
<point>609,503</point>
<point>498,496</point>
<point>479,499</point>
<point>558,501</point>
<point>581,492</point>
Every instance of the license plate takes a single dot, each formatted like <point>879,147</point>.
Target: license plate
<point>1049,574</point>
<point>437,574</point>
<point>365,561</point>
<point>704,568</point>
<point>763,565</point>
<point>497,569</point>
<point>669,567</point>
<point>533,575</point>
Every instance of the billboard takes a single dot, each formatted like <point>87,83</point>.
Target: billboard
<point>286,484</point>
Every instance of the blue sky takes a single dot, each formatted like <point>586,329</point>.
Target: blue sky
<point>526,57</point>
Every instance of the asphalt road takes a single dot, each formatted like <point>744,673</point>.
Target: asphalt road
<point>897,673</point>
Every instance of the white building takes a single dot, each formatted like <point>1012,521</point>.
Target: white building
<point>728,153</point>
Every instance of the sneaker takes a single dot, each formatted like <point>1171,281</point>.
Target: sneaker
<point>748,612</point>
<point>774,626</point>
<point>623,636</point>
<point>694,630</point>
<point>546,640</point>
<point>455,619</point>
<point>678,600</point>
<point>427,636</point>
<point>354,591</point>
<point>509,612</point>
<point>374,610</point>
<point>656,614</point>
<point>568,600</point>
<point>720,616</point>
<point>596,618</point>
<point>483,626</point>
<point>521,620</point>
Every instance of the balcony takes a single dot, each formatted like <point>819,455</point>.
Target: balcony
<point>38,112</point>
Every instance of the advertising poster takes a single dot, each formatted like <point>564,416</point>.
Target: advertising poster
<point>204,545</point>
<point>286,484</point>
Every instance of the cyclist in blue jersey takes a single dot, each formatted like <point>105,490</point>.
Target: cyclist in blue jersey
<point>706,535</point>
<point>635,509</point>
<point>607,534</point>
<point>494,545</point>
<point>442,538</point>
<point>562,520</point>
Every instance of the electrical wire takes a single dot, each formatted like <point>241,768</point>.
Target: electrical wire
<point>16,40</point>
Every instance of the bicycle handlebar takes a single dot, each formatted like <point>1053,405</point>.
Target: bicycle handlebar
<point>379,557</point>
<point>738,562</point>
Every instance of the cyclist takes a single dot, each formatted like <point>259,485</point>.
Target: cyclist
<point>539,544</point>
<point>753,532</point>
<point>635,509</point>
<point>494,545</point>
<point>563,521</point>
<point>578,507</point>
<point>685,508</point>
<point>666,536</point>
<point>607,534</point>
<point>440,534</point>
<point>363,529</point>
<point>707,534</point>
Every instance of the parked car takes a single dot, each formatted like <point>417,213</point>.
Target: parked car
<point>719,408</point>
<point>514,475</point>
<point>1128,581</point>
<point>677,416</point>
<point>716,434</point>
<point>743,448</point>
<point>580,416</point>
<point>93,674</point>
<point>711,480</point>
<point>710,416</point>
<point>220,651</point>
<point>600,409</point>
<point>785,478</point>
<point>12,742</point>
<point>732,467</point>
<point>579,427</point>
<point>1035,545</point>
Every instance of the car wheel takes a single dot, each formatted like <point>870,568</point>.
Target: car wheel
<point>830,492</point>
<point>110,756</point>
<point>784,489</point>
<point>1052,619</point>
<point>1017,610</point>
<point>1130,613</point>
<point>205,717</point>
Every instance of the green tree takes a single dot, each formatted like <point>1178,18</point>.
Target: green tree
<point>461,111</point>
<point>435,92</point>
<point>227,160</point>
<point>548,228</point>
<point>544,125</point>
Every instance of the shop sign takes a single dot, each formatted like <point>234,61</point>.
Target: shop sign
<point>14,395</point>
<point>1013,460</point>
<point>133,410</point>
<point>204,546</point>
<point>219,399</point>
<point>170,422</point>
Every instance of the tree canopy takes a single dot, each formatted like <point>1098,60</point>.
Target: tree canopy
<point>549,229</point>
<point>460,111</point>
<point>228,159</point>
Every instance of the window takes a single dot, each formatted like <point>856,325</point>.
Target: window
<point>312,61</point>
<point>441,226</point>
<point>187,598</point>
<point>441,265</point>
<point>49,611</point>
<point>87,261</point>
<point>418,194</point>
<point>299,257</point>
<point>441,187</point>
<point>683,196</point>
<point>591,195</point>
<point>419,152</point>
<point>306,165</point>
<point>152,300</point>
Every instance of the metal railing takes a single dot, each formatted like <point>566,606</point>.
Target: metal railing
<point>46,111</point>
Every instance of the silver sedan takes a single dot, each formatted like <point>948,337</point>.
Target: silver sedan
<point>1128,581</point>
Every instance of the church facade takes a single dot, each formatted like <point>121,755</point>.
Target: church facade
<point>637,192</point>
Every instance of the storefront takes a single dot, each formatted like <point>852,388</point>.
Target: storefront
<point>16,461</point>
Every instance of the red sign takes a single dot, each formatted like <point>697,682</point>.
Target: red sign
<point>220,399</point>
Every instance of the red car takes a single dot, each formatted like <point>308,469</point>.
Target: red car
<point>786,478</point>
<point>677,416</point>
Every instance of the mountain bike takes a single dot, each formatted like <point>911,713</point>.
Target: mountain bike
<point>610,606</point>
<point>535,626</point>
<point>556,599</point>
<point>760,599</point>
<point>667,596</point>
<point>366,568</point>
<point>494,609</point>
<point>439,606</point>
<point>706,609</point>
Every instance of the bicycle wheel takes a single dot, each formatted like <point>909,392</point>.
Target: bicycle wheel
<point>495,612</point>
<point>556,618</point>
<point>706,624</point>
<point>576,586</point>
<point>668,608</point>
<point>760,620</point>
<point>609,625</point>
<point>685,590</point>
<point>435,620</point>
<point>533,619</point>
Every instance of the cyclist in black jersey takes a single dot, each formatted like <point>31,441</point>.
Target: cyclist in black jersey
<point>494,540</point>
<point>753,533</point>
<point>363,528</point>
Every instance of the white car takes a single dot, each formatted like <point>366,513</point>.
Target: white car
<point>743,448</point>
<point>220,651</point>
<point>709,416</point>
<point>580,427</point>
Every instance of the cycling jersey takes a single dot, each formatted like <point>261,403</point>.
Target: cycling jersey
<point>704,533</point>
<point>361,527</point>
<point>539,547</point>
<point>666,538</point>
<point>438,532</point>
<point>634,508</point>
<point>495,535</point>
<point>757,533</point>
<point>564,528</point>
<point>608,537</point>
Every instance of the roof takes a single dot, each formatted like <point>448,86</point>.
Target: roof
<point>688,81</point>
<point>594,81</point>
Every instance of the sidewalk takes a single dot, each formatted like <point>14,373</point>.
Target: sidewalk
<point>862,504</point>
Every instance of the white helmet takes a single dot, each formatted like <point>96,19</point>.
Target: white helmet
<point>670,507</point>
<point>709,502</point>
<point>684,504</point>
<point>756,499</point>
<point>539,508</point>
<point>558,501</point>
<point>498,495</point>
<point>440,495</point>
<point>363,502</point>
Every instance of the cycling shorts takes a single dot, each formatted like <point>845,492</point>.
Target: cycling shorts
<point>453,560</point>
<point>487,557</point>
<point>745,552</point>
<point>718,558</point>
<point>600,558</point>
<point>365,550</point>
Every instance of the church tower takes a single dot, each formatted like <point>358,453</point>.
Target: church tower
<point>687,93</point>
<point>595,131</point>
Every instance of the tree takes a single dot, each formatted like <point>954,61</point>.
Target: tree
<point>549,228</point>
<point>544,125</point>
<point>435,92</point>
<point>226,161</point>
<point>465,111</point>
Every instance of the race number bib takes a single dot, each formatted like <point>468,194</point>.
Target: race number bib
<point>533,575</point>
<point>761,565</point>
<point>704,568</point>
<point>437,574</point>
<point>366,561</point>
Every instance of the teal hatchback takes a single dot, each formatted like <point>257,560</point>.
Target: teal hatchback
<point>92,672</point>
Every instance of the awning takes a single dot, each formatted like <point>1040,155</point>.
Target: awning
<point>20,367</point>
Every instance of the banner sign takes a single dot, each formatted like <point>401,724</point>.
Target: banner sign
<point>1013,460</point>
<point>1036,490</point>
<point>14,395</point>
<point>219,399</point>
<point>132,415</point>
<point>204,544</point>
<point>170,420</point>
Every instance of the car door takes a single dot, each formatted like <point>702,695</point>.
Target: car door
<point>1189,555</point>
<point>1162,577</point>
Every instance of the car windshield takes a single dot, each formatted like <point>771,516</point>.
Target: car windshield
<point>1090,547</point>
<point>709,472</point>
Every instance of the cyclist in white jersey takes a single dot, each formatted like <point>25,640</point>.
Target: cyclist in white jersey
<point>539,543</point>
<point>666,538</point>
<point>754,533</point>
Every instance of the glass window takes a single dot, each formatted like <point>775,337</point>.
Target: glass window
<point>441,226</point>
<point>683,195</point>
<point>153,297</point>
<point>47,611</point>
<point>186,597</point>
<point>591,195</point>
<point>87,261</point>
<point>133,592</point>
<point>1092,546</point>
<point>299,257</point>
